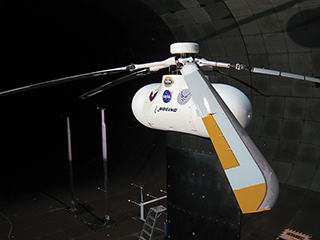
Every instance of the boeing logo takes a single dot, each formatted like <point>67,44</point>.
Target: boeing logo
<point>165,109</point>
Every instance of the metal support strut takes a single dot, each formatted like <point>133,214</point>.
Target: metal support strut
<point>142,203</point>
<point>105,161</point>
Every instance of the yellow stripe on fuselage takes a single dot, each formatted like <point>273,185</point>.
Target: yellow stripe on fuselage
<point>225,154</point>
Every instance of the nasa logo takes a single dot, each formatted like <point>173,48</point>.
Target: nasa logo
<point>153,95</point>
<point>184,96</point>
<point>167,95</point>
<point>168,82</point>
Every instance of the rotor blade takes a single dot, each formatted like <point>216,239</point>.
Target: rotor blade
<point>204,62</point>
<point>61,80</point>
<point>115,82</point>
<point>284,74</point>
<point>253,181</point>
<point>243,82</point>
<point>153,66</point>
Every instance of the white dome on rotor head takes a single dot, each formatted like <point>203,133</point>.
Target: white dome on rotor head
<point>184,47</point>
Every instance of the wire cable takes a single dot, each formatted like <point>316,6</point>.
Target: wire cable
<point>9,234</point>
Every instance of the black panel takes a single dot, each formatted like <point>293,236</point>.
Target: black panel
<point>200,201</point>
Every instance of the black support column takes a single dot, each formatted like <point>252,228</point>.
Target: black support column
<point>200,201</point>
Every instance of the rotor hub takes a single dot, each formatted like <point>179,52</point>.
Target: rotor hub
<point>184,48</point>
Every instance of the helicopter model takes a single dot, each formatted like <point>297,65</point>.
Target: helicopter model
<point>185,101</point>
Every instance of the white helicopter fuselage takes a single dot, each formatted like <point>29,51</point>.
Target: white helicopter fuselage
<point>169,106</point>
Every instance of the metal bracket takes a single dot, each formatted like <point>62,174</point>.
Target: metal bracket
<point>142,203</point>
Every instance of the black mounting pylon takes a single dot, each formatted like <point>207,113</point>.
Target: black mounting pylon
<point>200,200</point>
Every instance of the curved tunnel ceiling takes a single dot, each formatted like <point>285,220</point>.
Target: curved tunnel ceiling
<point>281,35</point>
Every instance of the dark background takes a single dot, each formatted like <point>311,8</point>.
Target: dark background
<point>45,40</point>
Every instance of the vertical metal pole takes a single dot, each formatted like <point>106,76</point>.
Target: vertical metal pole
<point>141,201</point>
<point>73,207</point>
<point>142,212</point>
<point>105,161</point>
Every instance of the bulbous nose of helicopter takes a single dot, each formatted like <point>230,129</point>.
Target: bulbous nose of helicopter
<point>139,102</point>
